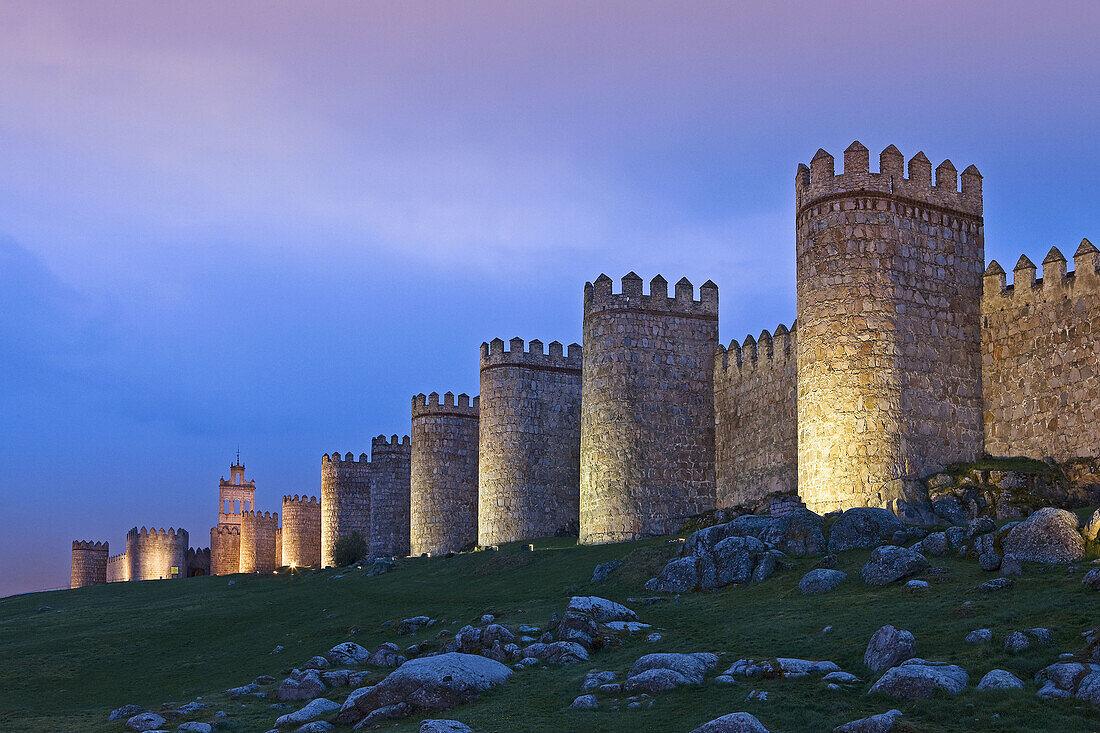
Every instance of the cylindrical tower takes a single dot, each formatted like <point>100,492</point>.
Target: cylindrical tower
<point>89,563</point>
<point>155,554</point>
<point>530,441</point>
<point>443,512</point>
<point>889,355</point>
<point>390,497</point>
<point>301,532</point>
<point>225,549</point>
<point>258,541</point>
<point>345,501</point>
<point>647,408</point>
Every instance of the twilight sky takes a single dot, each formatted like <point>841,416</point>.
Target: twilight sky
<point>271,223</point>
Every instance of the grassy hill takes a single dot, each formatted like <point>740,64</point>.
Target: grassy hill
<point>156,642</point>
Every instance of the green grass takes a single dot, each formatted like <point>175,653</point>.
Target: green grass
<point>1019,464</point>
<point>156,642</point>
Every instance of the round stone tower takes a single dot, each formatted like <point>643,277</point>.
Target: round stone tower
<point>154,554</point>
<point>89,563</point>
<point>301,532</point>
<point>345,501</point>
<point>647,408</point>
<point>225,549</point>
<point>258,542</point>
<point>889,355</point>
<point>530,441</point>
<point>443,512</point>
<point>390,498</point>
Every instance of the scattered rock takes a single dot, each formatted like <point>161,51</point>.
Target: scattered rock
<point>1043,636</point>
<point>733,723</point>
<point>301,686</point>
<point>194,727</point>
<point>444,726</point>
<point>601,609</point>
<point>881,723</point>
<point>126,711</point>
<point>585,702</point>
<point>277,650</point>
<point>916,586</point>
<point>992,586</point>
<point>235,693</point>
<point>604,569</point>
<point>999,679</point>
<point>979,636</point>
<point>387,656</point>
<point>191,707</point>
<point>654,637</point>
<point>797,533</point>
<point>888,647</point>
<point>1049,536</point>
<point>678,576</point>
<point>661,672</point>
<point>890,563</point>
<point>347,653</point>
<point>380,566</point>
<point>917,679</point>
<point>844,678</point>
<point>934,545</point>
<point>317,726</point>
<point>863,527</point>
<point>1092,579</point>
<point>1092,527</point>
<point>556,652</point>
<point>1010,566</point>
<point>821,580</point>
<point>412,625</point>
<point>429,683</point>
<point>989,561</point>
<point>1016,642</point>
<point>592,680</point>
<point>317,663</point>
<point>145,721</point>
<point>310,711</point>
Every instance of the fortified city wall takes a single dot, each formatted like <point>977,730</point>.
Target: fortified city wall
<point>345,501</point>
<point>1041,357</point>
<point>118,568</point>
<point>154,554</point>
<point>301,534</point>
<point>529,441</point>
<point>756,418</point>
<point>225,549</point>
<point>390,496</point>
<point>889,354</point>
<point>258,541</point>
<point>89,563</point>
<point>647,407</point>
<point>444,470</point>
<point>198,561</point>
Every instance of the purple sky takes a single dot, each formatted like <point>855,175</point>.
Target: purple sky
<point>272,223</point>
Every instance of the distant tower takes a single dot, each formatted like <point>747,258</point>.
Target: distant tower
<point>154,554</point>
<point>236,495</point>
<point>225,549</point>
<point>258,544</point>
<point>647,408</point>
<point>345,501</point>
<point>889,355</point>
<point>443,515</point>
<point>390,496</point>
<point>301,536</point>
<point>89,563</point>
<point>530,441</point>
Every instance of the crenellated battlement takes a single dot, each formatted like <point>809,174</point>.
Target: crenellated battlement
<point>494,354</point>
<point>599,296</point>
<point>92,546</point>
<point>154,532</point>
<point>335,457</point>
<point>768,350</point>
<point>225,530</point>
<point>295,499</point>
<point>431,405</point>
<point>1055,280</point>
<point>820,181</point>
<point>393,444</point>
<point>262,516</point>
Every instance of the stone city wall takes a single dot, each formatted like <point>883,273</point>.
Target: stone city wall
<point>301,535</point>
<point>647,408</point>
<point>225,549</point>
<point>390,496</point>
<point>1041,357</point>
<point>345,501</point>
<point>756,418</point>
<point>157,554</point>
<point>258,541</point>
<point>89,563</point>
<point>529,441</point>
<point>118,568</point>
<point>443,481</point>
<point>198,561</point>
<point>889,272</point>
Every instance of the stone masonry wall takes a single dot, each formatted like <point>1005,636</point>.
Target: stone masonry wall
<point>443,512</point>
<point>530,441</point>
<point>1041,358</point>
<point>647,408</point>
<point>345,501</point>
<point>198,561</point>
<point>89,563</point>
<point>301,536</point>
<point>390,496</point>
<point>889,352</point>
<point>258,541</point>
<point>154,554</point>
<point>756,418</point>
<point>118,568</point>
<point>225,549</point>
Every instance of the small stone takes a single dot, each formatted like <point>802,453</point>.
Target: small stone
<point>888,647</point>
<point>821,580</point>
<point>654,637</point>
<point>1092,578</point>
<point>604,569</point>
<point>916,586</point>
<point>997,584</point>
<point>881,723</point>
<point>979,636</point>
<point>999,679</point>
<point>989,561</point>
<point>145,721</point>
<point>194,727</point>
<point>444,726</point>
<point>733,723</point>
<point>1010,566</point>
<point>1016,642</point>
<point>126,711</point>
<point>276,650</point>
<point>585,702</point>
